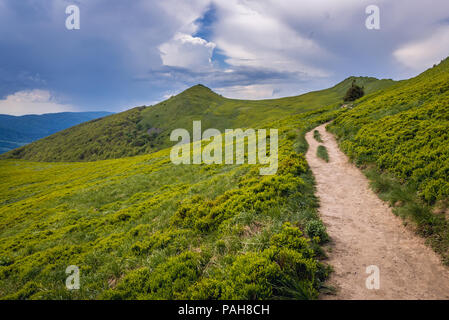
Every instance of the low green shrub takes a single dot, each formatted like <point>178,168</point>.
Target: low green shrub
<point>317,136</point>
<point>321,152</point>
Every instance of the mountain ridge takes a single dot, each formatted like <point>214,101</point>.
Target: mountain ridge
<point>16,131</point>
<point>127,133</point>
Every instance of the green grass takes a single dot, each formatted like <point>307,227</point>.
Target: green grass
<point>402,132</point>
<point>317,136</point>
<point>406,203</point>
<point>143,228</point>
<point>321,152</point>
<point>140,227</point>
<point>126,134</point>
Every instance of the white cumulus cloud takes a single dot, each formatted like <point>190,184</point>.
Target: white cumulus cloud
<point>188,52</point>
<point>32,102</point>
<point>422,54</point>
<point>251,92</point>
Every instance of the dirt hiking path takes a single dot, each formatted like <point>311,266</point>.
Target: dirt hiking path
<point>365,232</point>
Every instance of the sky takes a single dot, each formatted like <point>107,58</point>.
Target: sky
<point>129,53</point>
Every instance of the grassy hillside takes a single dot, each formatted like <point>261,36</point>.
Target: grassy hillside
<point>147,129</point>
<point>18,131</point>
<point>402,134</point>
<point>142,227</point>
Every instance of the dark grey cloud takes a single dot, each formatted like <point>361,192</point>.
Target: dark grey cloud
<point>283,47</point>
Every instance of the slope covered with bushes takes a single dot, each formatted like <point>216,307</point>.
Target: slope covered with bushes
<point>404,131</point>
<point>142,227</point>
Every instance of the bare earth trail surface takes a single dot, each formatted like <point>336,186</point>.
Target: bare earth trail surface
<point>365,232</point>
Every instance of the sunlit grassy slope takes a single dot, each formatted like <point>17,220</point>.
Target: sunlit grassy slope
<point>146,129</point>
<point>404,132</point>
<point>141,227</point>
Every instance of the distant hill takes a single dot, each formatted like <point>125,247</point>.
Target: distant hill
<point>18,131</point>
<point>147,129</point>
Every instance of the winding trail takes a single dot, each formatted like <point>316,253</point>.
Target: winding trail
<point>365,232</point>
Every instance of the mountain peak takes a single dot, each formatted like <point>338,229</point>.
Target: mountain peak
<point>199,89</point>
